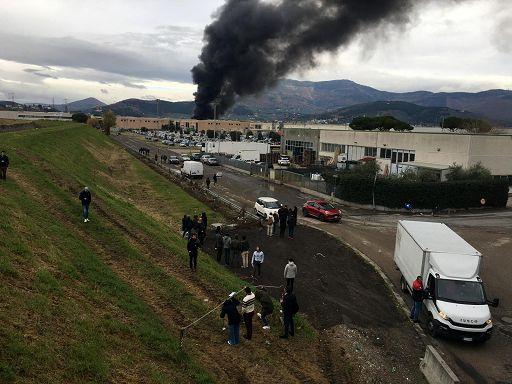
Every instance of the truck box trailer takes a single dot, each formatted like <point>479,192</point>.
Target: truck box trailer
<point>192,169</point>
<point>456,302</point>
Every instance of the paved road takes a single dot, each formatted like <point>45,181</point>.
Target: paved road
<point>374,234</point>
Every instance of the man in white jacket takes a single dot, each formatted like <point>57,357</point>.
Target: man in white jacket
<point>290,271</point>
<point>248,311</point>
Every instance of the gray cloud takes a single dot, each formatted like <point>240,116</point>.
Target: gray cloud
<point>42,72</point>
<point>104,91</point>
<point>144,56</point>
<point>502,37</point>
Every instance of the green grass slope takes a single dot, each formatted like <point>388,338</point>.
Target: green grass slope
<point>105,301</point>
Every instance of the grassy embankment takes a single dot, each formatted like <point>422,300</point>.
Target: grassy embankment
<point>104,301</point>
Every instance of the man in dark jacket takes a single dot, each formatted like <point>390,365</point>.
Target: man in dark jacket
<point>230,309</point>
<point>417,297</point>
<point>283,218</point>
<point>192,247</point>
<point>267,306</point>
<point>184,224</point>
<point>292,222</point>
<point>218,244</point>
<point>290,308</point>
<point>85,198</point>
<point>4,164</point>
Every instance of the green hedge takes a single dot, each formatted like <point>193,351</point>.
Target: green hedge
<point>395,193</point>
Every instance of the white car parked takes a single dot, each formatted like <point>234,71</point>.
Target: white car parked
<point>284,161</point>
<point>266,206</point>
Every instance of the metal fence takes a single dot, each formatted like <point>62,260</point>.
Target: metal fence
<point>253,169</point>
<point>303,181</point>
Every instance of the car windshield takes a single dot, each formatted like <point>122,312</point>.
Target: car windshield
<point>457,291</point>
<point>272,205</point>
<point>326,206</point>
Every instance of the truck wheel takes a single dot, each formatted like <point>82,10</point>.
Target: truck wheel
<point>403,285</point>
<point>432,327</point>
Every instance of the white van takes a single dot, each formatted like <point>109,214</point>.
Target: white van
<point>456,304</point>
<point>192,169</point>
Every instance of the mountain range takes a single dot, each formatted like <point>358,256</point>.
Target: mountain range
<point>336,101</point>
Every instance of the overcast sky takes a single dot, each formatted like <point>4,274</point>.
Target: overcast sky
<point>116,49</point>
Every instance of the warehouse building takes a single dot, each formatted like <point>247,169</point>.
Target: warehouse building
<point>28,115</point>
<point>397,151</point>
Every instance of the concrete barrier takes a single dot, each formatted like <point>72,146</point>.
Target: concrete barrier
<point>435,369</point>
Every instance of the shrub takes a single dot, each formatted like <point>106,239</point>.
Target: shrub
<point>396,192</point>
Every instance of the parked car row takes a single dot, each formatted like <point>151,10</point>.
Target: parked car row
<point>320,209</point>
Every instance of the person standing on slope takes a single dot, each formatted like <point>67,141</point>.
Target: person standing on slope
<point>85,197</point>
<point>193,247</point>
<point>290,308</point>
<point>230,309</point>
<point>248,311</point>
<point>4,164</point>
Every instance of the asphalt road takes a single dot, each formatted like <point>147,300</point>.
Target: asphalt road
<point>374,234</point>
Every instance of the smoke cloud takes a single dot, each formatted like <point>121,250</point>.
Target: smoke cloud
<point>254,43</point>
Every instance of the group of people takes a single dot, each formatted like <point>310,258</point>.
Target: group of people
<point>284,218</point>
<point>144,151</point>
<point>289,306</point>
<point>235,252</point>
<point>4,164</point>
<point>208,181</point>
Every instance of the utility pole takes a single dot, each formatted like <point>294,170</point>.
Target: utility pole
<point>66,105</point>
<point>157,108</point>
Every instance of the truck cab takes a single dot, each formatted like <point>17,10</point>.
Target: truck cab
<point>455,298</point>
<point>457,308</point>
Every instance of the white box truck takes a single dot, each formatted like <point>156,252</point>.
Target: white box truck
<point>192,169</point>
<point>455,303</point>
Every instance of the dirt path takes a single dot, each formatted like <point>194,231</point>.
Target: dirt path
<point>335,287</point>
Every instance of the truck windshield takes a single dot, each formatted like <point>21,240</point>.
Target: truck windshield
<point>272,205</point>
<point>457,291</point>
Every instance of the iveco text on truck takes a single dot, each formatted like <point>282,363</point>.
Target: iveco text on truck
<point>455,302</point>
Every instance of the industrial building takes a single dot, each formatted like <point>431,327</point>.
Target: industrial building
<point>130,122</point>
<point>396,151</point>
<point>28,115</point>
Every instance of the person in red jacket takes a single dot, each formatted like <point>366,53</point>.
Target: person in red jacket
<point>417,297</point>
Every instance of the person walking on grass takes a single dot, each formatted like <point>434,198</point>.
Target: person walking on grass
<point>218,244</point>
<point>290,271</point>
<point>267,306</point>
<point>244,248</point>
<point>85,197</point>
<point>214,179</point>
<point>204,219</point>
<point>290,307</point>
<point>292,222</point>
<point>4,164</point>
<point>226,245</point>
<point>208,183</point>
<point>235,252</point>
<point>248,311</point>
<point>270,225</point>
<point>193,248</point>
<point>201,232</point>
<point>184,225</point>
<point>230,309</point>
<point>257,259</point>
<point>417,297</point>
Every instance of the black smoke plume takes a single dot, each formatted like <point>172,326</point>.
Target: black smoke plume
<point>254,43</point>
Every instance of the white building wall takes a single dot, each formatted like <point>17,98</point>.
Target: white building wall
<point>232,147</point>
<point>494,152</point>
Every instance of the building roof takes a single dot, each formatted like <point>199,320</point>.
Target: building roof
<point>438,167</point>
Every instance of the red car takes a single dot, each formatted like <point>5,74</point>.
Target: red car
<point>322,210</point>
